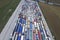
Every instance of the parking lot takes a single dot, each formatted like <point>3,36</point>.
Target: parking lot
<point>27,23</point>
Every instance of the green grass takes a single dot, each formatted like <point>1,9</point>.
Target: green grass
<point>6,10</point>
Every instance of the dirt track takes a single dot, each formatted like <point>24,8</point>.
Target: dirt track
<point>53,21</point>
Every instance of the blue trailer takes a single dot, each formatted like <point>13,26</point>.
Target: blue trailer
<point>20,29</point>
<point>19,37</point>
<point>41,30</point>
<point>31,25</point>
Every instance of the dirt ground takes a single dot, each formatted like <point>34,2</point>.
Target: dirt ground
<point>52,18</point>
<point>55,1</point>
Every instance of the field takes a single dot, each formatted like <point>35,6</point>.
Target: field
<point>7,7</point>
<point>55,1</point>
<point>52,16</point>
